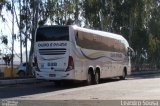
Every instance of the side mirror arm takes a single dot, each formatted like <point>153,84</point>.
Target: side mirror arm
<point>130,52</point>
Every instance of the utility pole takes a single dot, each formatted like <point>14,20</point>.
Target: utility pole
<point>12,12</point>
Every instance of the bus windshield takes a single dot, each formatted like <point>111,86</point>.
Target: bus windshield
<point>53,33</point>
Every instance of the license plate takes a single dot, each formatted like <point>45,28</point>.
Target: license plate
<point>52,75</point>
<point>52,64</point>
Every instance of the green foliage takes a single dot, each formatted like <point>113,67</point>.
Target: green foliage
<point>152,44</point>
<point>4,40</point>
<point>8,58</point>
<point>91,12</point>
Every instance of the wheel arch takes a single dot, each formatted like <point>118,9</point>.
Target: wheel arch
<point>125,70</point>
<point>98,69</point>
<point>90,69</point>
<point>19,71</point>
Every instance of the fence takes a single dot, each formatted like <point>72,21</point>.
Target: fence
<point>144,67</point>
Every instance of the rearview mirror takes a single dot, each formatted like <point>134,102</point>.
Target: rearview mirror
<point>130,52</point>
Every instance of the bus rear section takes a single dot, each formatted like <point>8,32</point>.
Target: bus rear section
<point>52,53</point>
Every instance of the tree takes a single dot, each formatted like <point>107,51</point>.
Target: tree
<point>8,58</point>
<point>91,14</point>
<point>4,39</point>
<point>153,29</point>
<point>137,20</point>
<point>2,2</point>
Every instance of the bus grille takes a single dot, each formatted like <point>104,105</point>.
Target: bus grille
<point>52,51</point>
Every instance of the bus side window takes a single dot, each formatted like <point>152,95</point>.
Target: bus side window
<point>76,37</point>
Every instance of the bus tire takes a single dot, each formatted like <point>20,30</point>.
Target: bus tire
<point>123,75</point>
<point>90,78</point>
<point>21,74</point>
<point>97,78</point>
<point>57,83</point>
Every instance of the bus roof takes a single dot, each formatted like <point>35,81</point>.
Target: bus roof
<point>102,33</point>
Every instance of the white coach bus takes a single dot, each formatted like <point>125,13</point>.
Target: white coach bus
<point>75,53</point>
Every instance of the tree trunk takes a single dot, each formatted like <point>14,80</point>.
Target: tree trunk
<point>130,28</point>
<point>76,12</point>
<point>34,27</point>
<point>12,37</point>
<point>111,9</point>
<point>21,58</point>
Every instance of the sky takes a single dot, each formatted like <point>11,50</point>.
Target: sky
<point>6,29</point>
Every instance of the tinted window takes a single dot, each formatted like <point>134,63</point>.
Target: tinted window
<point>54,33</point>
<point>91,41</point>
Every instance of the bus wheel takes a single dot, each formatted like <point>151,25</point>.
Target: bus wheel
<point>123,75</point>
<point>97,78</point>
<point>21,74</point>
<point>57,83</point>
<point>90,78</point>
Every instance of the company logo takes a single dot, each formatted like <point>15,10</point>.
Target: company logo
<point>51,44</point>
